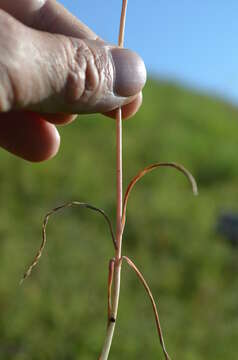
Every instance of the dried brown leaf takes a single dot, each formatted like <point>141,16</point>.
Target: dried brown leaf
<point>45,222</point>
<point>149,169</point>
<point>147,289</point>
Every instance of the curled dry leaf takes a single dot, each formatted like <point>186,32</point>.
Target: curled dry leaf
<point>45,222</point>
<point>149,169</point>
<point>147,289</point>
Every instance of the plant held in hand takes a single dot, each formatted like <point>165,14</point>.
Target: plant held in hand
<point>115,263</point>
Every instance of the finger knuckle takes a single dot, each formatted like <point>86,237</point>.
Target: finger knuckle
<point>89,73</point>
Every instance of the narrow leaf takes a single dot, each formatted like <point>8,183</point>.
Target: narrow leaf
<point>45,222</point>
<point>149,169</point>
<point>147,289</point>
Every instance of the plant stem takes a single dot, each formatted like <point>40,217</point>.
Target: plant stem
<point>118,260</point>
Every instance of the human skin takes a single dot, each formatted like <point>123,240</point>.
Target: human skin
<point>53,66</point>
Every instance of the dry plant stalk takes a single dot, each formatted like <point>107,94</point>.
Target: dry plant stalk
<point>114,274</point>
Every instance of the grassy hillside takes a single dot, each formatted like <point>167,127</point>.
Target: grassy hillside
<point>60,312</point>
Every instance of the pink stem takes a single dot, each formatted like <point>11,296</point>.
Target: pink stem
<point>117,267</point>
<point>119,180</point>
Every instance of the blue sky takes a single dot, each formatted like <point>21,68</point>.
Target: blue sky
<point>192,42</point>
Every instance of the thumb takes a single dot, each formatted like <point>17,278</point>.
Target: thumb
<point>55,73</point>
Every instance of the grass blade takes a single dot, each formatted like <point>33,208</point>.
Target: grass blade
<point>147,289</point>
<point>45,222</point>
<point>148,169</point>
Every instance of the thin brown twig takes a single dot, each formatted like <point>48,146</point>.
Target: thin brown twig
<point>147,289</point>
<point>44,225</point>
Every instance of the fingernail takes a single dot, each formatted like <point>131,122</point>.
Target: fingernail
<point>130,72</point>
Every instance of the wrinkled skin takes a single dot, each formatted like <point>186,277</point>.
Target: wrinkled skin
<point>53,66</point>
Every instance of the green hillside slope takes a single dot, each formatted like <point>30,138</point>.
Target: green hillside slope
<point>60,312</point>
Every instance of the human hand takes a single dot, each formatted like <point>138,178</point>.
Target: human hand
<point>53,66</point>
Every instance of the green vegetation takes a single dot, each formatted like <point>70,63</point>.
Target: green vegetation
<point>60,311</point>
